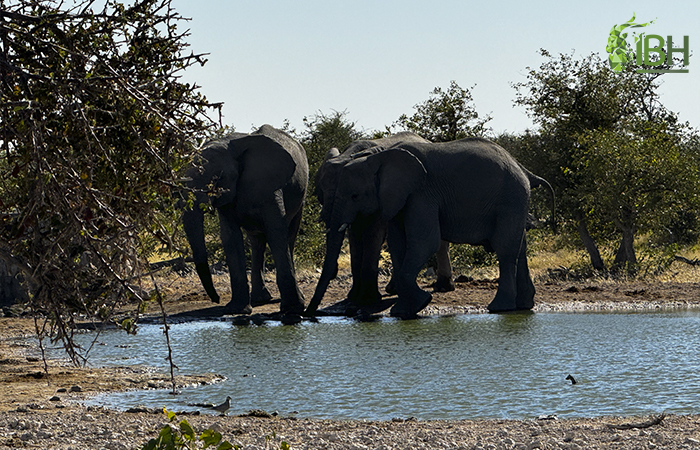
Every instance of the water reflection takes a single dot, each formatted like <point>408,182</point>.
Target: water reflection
<point>484,366</point>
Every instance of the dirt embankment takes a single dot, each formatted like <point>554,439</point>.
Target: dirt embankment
<point>39,410</point>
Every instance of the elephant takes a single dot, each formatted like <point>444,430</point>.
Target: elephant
<point>256,182</point>
<point>366,233</point>
<point>466,191</point>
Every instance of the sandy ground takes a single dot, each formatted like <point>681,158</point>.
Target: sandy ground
<point>40,410</point>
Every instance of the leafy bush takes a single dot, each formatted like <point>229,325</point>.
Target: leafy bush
<point>184,437</point>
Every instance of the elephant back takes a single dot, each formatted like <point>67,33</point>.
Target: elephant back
<point>269,160</point>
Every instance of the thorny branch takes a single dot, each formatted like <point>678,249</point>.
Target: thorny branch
<point>95,129</point>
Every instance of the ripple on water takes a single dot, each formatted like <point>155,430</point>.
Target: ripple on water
<point>470,366</point>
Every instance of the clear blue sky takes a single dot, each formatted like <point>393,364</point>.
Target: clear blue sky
<point>276,60</point>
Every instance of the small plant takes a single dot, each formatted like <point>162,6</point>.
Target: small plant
<point>185,438</point>
<point>284,445</point>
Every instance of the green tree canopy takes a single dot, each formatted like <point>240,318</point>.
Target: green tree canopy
<point>95,125</point>
<point>445,116</point>
<point>608,146</point>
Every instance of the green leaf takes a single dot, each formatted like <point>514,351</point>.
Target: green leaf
<point>150,445</point>
<point>226,445</point>
<point>187,430</point>
<point>210,437</point>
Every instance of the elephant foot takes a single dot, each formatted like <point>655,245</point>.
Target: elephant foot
<point>367,299</point>
<point>262,298</point>
<point>375,308</point>
<point>404,309</point>
<point>443,284</point>
<point>525,300</point>
<point>291,319</point>
<point>232,309</point>
<point>525,304</point>
<point>296,308</point>
<point>501,305</point>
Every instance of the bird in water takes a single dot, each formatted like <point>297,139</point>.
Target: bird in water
<point>572,379</point>
<point>222,408</point>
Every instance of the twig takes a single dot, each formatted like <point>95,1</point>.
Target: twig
<point>647,424</point>
<point>692,262</point>
<point>166,328</point>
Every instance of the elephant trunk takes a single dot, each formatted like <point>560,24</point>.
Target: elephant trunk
<point>193,221</point>
<point>334,242</point>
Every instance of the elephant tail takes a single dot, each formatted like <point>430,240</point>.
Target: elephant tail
<point>536,181</point>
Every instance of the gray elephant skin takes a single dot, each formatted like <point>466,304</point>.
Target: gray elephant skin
<point>256,182</point>
<point>467,191</point>
<point>366,233</point>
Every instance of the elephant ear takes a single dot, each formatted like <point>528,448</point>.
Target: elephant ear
<point>399,173</point>
<point>266,164</point>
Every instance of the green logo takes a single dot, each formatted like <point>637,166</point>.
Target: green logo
<point>617,47</point>
<point>620,54</point>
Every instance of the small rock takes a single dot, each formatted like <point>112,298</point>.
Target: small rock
<point>55,398</point>
<point>533,445</point>
<point>76,388</point>
<point>61,390</point>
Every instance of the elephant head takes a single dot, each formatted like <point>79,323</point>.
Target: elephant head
<point>235,172</point>
<point>374,181</point>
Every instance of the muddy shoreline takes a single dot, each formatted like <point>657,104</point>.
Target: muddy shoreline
<point>39,410</point>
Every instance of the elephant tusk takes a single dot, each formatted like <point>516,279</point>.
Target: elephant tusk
<point>342,228</point>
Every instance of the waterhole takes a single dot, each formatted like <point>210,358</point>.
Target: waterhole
<point>471,366</point>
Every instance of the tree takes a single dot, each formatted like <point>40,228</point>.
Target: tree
<point>634,178</point>
<point>599,126</point>
<point>95,128</point>
<point>445,116</point>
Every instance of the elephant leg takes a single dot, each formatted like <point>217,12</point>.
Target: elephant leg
<point>525,295</point>
<point>372,240</point>
<point>366,236</point>
<point>422,241</point>
<point>276,230</point>
<point>444,282</point>
<point>293,230</point>
<point>507,251</point>
<point>355,239</point>
<point>232,240</point>
<point>259,295</point>
<point>396,240</point>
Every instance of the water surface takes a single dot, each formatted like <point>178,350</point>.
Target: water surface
<point>472,366</point>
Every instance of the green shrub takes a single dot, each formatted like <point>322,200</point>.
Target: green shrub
<point>184,437</point>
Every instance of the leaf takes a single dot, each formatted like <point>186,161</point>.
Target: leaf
<point>226,445</point>
<point>187,430</point>
<point>210,437</point>
<point>171,415</point>
<point>150,445</point>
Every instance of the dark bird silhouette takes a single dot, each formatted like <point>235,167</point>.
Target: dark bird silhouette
<point>572,379</point>
<point>222,408</point>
